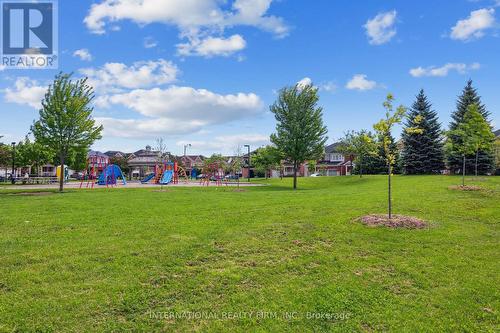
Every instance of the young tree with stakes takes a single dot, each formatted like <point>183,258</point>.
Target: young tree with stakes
<point>485,158</point>
<point>66,122</point>
<point>471,136</point>
<point>300,133</point>
<point>383,129</point>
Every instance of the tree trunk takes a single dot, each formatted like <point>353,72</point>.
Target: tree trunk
<point>463,172</point>
<point>360,170</point>
<point>61,175</point>
<point>295,175</point>
<point>390,197</point>
<point>477,156</point>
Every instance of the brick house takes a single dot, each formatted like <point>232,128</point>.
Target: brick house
<point>335,163</point>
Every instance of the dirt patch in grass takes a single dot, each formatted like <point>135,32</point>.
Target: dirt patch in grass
<point>466,188</point>
<point>397,221</point>
<point>31,194</point>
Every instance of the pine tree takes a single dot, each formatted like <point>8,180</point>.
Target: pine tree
<point>485,158</point>
<point>422,145</point>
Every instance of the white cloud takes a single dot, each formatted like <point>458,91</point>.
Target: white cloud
<point>150,42</point>
<point>226,144</point>
<point>474,26</point>
<point>380,29</point>
<point>196,20</point>
<point>189,104</point>
<point>176,111</point>
<point>142,74</point>
<point>328,86</point>
<point>212,46</point>
<point>146,128</point>
<point>26,92</point>
<point>304,82</point>
<point>83,54</point>
<point>361,82</point>
<point>444,70</point>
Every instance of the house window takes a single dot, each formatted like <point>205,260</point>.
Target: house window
<point>334,157</point>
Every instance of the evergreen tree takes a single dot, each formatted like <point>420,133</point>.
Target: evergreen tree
<point>422,145</point>
<point>485,158</point>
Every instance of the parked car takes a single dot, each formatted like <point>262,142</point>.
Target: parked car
<point>315,175</point>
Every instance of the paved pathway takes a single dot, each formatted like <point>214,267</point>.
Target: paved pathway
<point>132,184</point>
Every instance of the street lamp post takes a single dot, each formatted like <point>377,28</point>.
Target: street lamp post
<point>248,147</point>
<point>12,176</point>
<point>185,148</point>
<point>190,166</point>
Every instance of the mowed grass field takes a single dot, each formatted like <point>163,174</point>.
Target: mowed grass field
<point>267,259</point>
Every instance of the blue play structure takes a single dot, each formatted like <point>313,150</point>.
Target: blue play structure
<point>167,177</point>
<point>148,178</point>
<point>110,175</point>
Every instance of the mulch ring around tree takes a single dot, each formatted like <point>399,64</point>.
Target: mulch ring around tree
<point>466,188</point>
<point>397,221</point>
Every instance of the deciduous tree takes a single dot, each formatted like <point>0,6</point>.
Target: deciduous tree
<point>300,132</point>
<point>66,122</point>
<point>384,129</point>
<point>472,135</point>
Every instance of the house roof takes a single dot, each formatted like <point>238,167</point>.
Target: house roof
<point>332,148</point>
<point>96,153</point>
<point>112,153</point>
<point>143,160</point>
<point>497,133</point>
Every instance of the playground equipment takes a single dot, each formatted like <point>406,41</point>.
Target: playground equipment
<point>148,178</point>
<point>166,173</point>
<point>96,163</point>
<point>110,175</point>
<point>212,172</point>
<point>99,171</point>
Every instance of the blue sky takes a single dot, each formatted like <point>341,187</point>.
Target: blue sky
<point>205,72</point>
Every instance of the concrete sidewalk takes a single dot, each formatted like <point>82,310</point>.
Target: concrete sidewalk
<point>132,184</point>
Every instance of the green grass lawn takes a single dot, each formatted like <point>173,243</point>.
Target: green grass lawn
<point>133,259</point>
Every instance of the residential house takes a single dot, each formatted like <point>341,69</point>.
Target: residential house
<point>143,162</point>
<point>190,162</point>
<point>334,163</point>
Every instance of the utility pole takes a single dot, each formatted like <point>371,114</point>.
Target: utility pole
<point>12,176</point>
<point>248,147</point>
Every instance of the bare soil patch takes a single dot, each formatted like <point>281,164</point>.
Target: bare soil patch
<point>466,188</point>
<point>31,194</point>
<point>397,221</point>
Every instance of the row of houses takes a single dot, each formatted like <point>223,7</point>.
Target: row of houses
<point>143,162</point>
